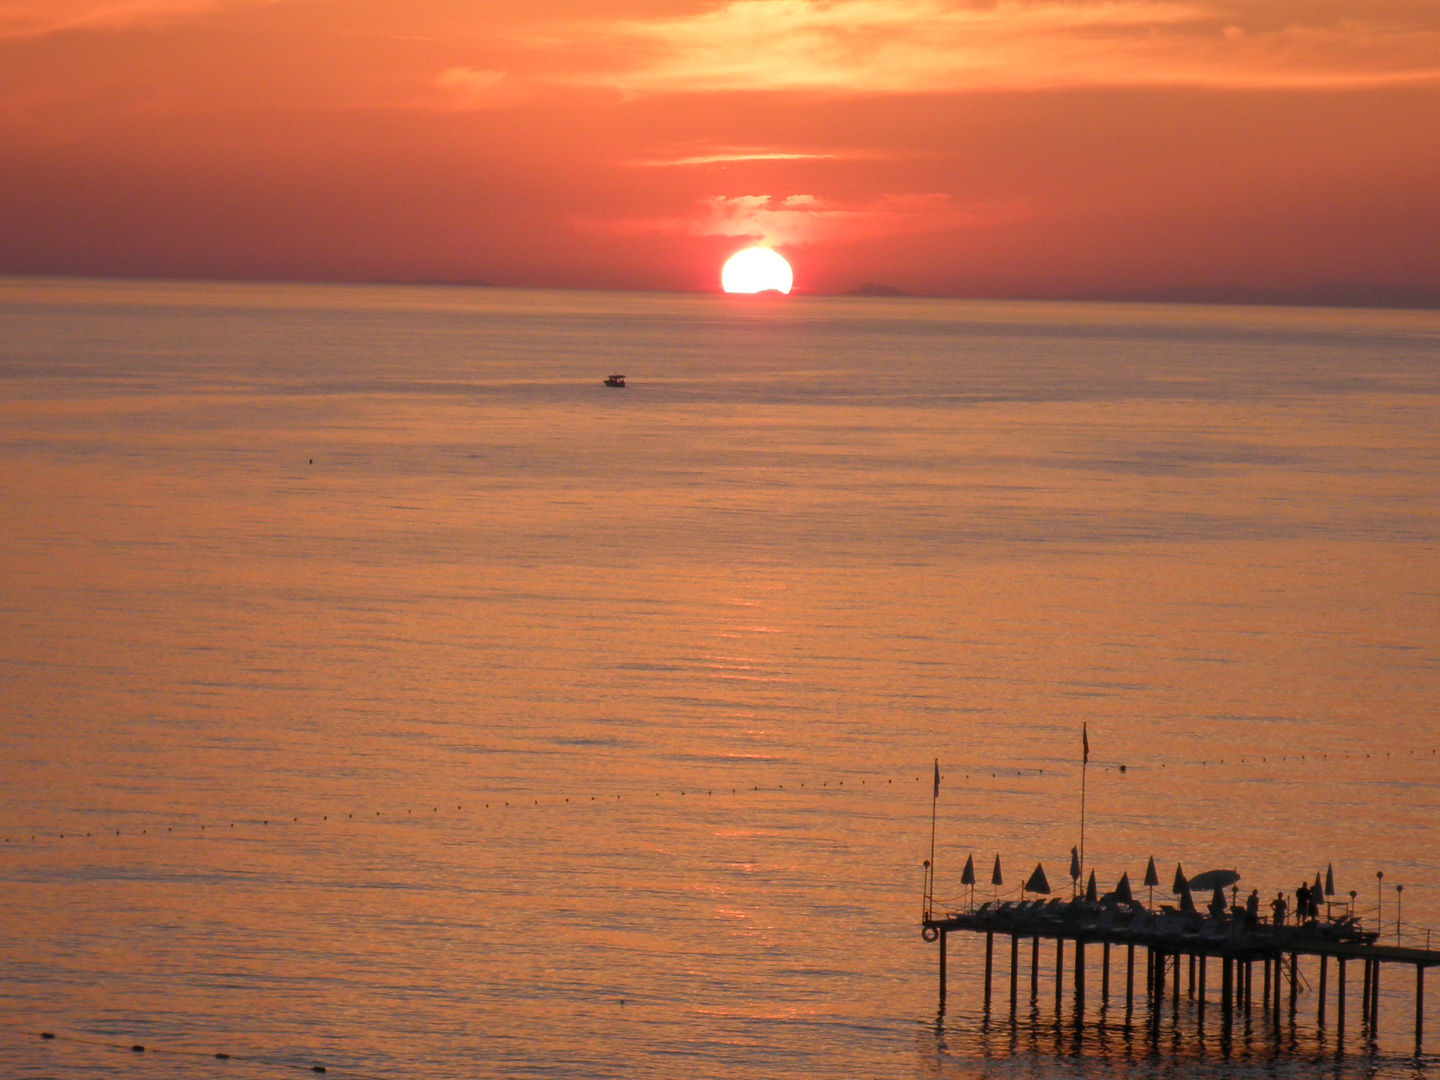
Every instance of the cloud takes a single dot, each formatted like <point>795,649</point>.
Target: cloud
<point>727,154</point>
<point>471,89</point>
<point>846,47</point>
<point>791,220</point>
<point>42,17</point>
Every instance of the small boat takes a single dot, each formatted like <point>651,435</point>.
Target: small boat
<point>615,380</point>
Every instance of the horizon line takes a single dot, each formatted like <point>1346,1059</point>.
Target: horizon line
<point>1364,295</point>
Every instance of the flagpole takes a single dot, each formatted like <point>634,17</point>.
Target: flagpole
<point>934,800</point>
<point>1084,766</point>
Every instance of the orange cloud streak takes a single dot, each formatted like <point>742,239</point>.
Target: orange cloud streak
<point>848,47</point>
<point>21,20</point>
<point>805,219</point>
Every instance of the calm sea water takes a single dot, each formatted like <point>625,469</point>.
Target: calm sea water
<point>380,691</point>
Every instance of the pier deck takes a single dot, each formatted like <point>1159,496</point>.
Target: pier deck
<point>1166,935</point>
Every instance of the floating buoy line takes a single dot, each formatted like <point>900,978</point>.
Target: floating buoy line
<point>266,1061</point>
<point>1057,769</point>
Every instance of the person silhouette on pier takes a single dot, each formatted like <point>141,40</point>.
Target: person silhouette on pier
<point>1280,908</point>
<point>1302,903</point>
<point>1252,908</point>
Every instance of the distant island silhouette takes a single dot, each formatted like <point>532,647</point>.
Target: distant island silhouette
<point>1356,294</point>
<point>460,283</point>
<point>870,288</point>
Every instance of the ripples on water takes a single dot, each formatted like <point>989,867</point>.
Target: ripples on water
<point>539,729</point>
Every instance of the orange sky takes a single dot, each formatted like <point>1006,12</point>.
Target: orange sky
<point>1016,147</point>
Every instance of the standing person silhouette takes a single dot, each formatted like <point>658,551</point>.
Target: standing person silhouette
<point>1302,903</point>
<point>1279,907</point>
<point>1252,908</point>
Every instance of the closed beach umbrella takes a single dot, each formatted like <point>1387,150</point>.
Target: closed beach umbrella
<point>1214,879</point>
<point>1152,879</point>
<point>1090,891</point>
<point>1187,899</point>
<point>995,878</point>
<point>1330,879</point>
<point>968,877</point>
<point>1074,865</point>
<point>1178,885</point>
<point>1122,889</point>
<point>1037,882</point>
<point>1217,899</point>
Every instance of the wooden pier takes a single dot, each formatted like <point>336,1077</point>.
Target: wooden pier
<point>1169,942</point>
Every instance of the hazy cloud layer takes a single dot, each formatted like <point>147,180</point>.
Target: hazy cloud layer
<point>790,220</point>
<point>40,17</point>
<point>921,46</point>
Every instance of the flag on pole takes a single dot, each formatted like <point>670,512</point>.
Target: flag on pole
<point>1085,740</point>
<point>937,778</point>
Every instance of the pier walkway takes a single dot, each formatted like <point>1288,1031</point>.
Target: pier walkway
<point>1240,945</point>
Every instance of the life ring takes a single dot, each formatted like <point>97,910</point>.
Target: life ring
<point>930,933</point>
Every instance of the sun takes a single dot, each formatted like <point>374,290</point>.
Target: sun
<point>756,270</point>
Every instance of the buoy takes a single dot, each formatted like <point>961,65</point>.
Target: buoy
<point>223,1057</point>
<point>47,1034</point>
<point>138,1048</point>
<point>317,1068</point>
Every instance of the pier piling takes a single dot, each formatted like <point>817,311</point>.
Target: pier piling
<point>989,963</point>
<point>1034,970</point>
<point>1014,973</point>
<point>1374,998</point>
<point>1105,975</point>
<point>1200,1000</point>
<point>1129,977</point>
<point>1419,1008</point>
<point>1340,1001</point>
<point>1059,974</point>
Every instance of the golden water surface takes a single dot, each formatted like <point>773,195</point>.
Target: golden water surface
<point>380,691</point>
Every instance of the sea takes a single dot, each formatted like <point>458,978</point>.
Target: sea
<point>381,693</point>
